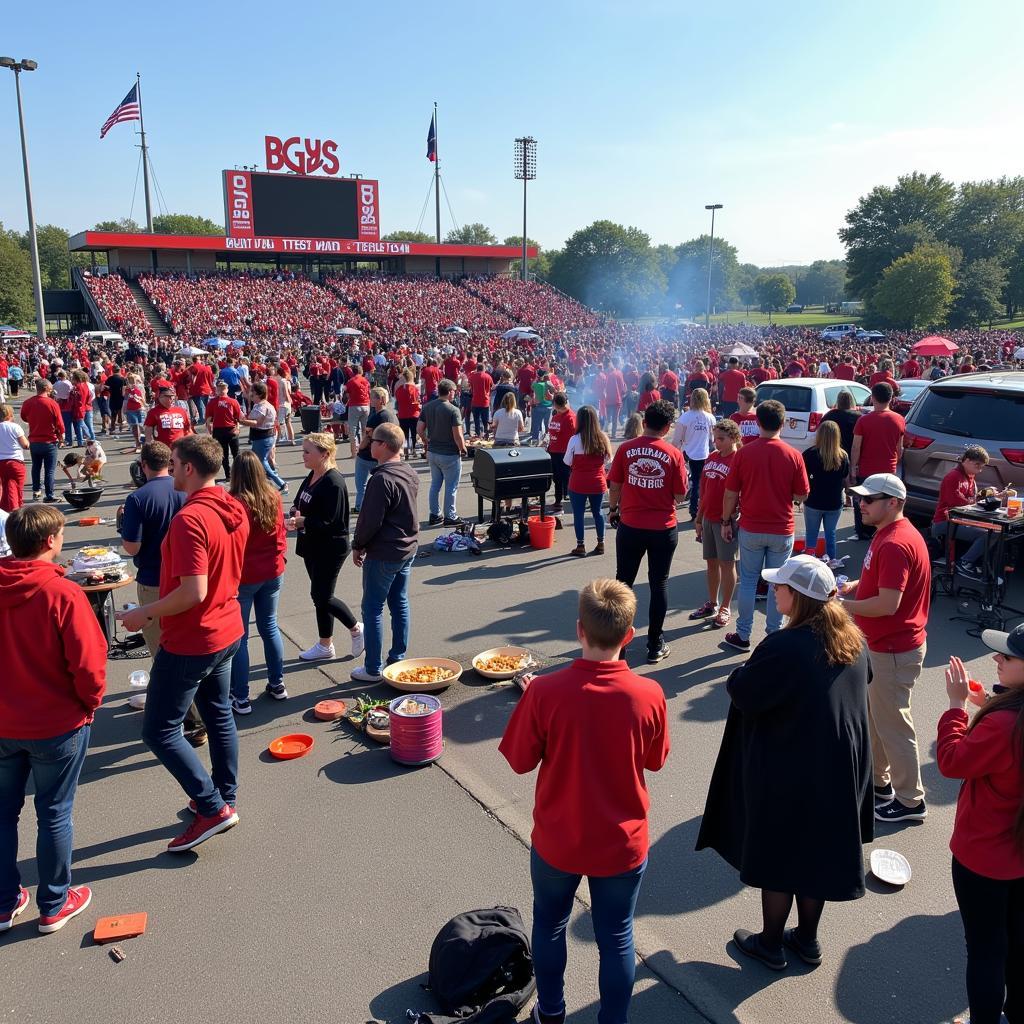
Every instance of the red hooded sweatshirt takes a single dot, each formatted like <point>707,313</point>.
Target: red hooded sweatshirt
<point>206,538</point>
<point>55,655</point>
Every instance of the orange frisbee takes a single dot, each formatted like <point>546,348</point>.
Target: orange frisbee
<point>295,744</point>
<point>329,710</point>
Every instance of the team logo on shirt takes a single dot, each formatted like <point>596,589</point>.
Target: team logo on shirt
<point>648,470</point>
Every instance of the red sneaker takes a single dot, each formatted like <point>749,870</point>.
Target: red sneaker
<point>203,828</point>
<point>79,897</point>
<point>7,920</point>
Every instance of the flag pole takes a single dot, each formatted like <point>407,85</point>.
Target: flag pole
<point>437,192</point>
<point>145,156</point>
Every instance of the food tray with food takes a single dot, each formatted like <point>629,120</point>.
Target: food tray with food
<point>502,662</point>
<point>422,675</point>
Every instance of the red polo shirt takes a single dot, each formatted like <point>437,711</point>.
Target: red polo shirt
<point>767,475</point>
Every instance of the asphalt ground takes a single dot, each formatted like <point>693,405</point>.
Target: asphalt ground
<point>322,903</point>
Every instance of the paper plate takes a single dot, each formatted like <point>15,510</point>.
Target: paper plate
<point>295,744</point>
<point>890,866</point>
<point>495,652</point>
<point>391,671</point>
<point>329,710</point>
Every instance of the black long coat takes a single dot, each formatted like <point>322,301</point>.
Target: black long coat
<point>790,802</point>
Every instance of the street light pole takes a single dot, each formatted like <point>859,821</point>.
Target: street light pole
<point>17,67</point>
<point>526,169</point>
<point>711,255</point>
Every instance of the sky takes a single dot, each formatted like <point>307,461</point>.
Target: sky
<point>644,111</point>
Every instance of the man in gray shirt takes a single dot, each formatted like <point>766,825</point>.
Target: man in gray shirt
<point>440,430</point>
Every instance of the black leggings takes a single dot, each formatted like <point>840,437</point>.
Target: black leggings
<point>408,425</point>
<point>560,471</point>
<point>323,573</point>
<point>993,915</point>
<point>228,439</point>
<point>631,544</point>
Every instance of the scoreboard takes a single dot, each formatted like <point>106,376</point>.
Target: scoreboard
<point>291,206</point>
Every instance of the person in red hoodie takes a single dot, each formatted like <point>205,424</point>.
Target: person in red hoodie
<point>594,728</point>
<point>46,711</point>
<point>45,431</point>
<point>988,834</point>
<point>200,629</point>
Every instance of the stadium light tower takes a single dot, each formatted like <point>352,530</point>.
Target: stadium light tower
<point>17,67</point>
<point>526,170</point>
<point>711,255</point>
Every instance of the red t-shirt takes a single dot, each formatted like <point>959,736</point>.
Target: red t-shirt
<point>844,372</point>
<point>200,380</point>
<point>273,392</point>
<point>157,383</point>
<point>881,436</point>
<point>168,424</point>
<point>180,380</point>
<point>45,423</point>
<point>586,474</point>
<point>207,537</point>
<point>358,390</point>
<point>731,381</point>
<point>712,484</point>
<point>594,728</point>
<point>957,488</point>
<point>760,374</point>
<point>646,398</point>
<point>749,427</point>
<point>767,475</point>
<point>911,368</point>
<point>452,365</point>
<point>525,378</point>
<point>651,473</point>
<point>407,401</point>
<point>560,431</point>
<point>223,412</point>
<point>481,382</point>
<point>431,377</point>
<point>264,556</point>
<point>669,381</point>
<point>897,559</point>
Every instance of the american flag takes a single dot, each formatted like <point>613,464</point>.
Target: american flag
<point>126,110</point>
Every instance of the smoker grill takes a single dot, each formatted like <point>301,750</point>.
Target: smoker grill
<point>503,473</point>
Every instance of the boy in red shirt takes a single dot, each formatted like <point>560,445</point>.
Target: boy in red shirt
<point>594,728</point>
<point>729,385</point>
<point>52,687</point>
<point>200,628</point>
<point>560,431</point>
<point>166,422</point>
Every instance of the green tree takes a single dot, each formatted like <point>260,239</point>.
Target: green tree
<point>823,281</point>
<point>891,221</point>
<point>987,220</point>
<point>125,225</point>
<point>472,234</point>
<point>186,224</point>
<point>610,267</point>
<point>746,278</point>
<point>408,236</point>
<point>980,287</point>
<point>688,278</point>
<point>774,291</point>
<point>538,267</point>
<point>916,290</point>
<point>54,258</point>
<point>17,304</point>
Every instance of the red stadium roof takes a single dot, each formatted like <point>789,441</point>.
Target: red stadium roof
<point>104,240</point>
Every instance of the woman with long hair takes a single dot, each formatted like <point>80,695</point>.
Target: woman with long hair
<point>692,436</point>
<point>262,424</point>
<point>828,467</point>
<point>262,576</point>
<point>408,407</point>
<point>988,835</point>
<point>320,514</point>
<point>799,711</point>
<point>648,392</point>
<point>507,422</point>
<point>588,451</point>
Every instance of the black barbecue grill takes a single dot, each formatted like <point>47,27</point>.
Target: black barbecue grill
<point>500,474</point>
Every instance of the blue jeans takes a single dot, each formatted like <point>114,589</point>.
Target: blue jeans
<point>264,596</point>
<point>977,538</point>
<point>815,518</point>
<point>262,447</point>
<point>69,423</point>
<point>540,417</point>
<point>579,504</point>
<point>363,469</point>
<point>175,682</point>
<point>54,765</point>
<point>200,401</point>
<point>759,551</point>
<point>385,582</point>
<point>696,469</point>
<point>613,901</point>
<point>446,469</point>
<point>481,418</point>
<point>44,460</point>
<point>90,433</point>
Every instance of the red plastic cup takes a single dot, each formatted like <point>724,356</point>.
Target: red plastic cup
<point>975,686</point>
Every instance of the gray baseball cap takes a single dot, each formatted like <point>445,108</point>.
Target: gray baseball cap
<point>1011,644</point>
<point>806,575</point>
<point>881,483</point>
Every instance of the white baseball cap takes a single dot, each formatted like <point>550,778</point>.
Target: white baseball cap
<point>805,574</point>
<point>881,483</point>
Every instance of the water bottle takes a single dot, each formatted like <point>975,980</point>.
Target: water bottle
<point>139,679</point>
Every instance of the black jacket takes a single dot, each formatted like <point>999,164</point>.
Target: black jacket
<point>326,511</point>
<point>790,801</point>
<point>388,525</point>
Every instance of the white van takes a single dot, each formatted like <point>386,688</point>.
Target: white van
<point>836,331</point>
<point>806,400</point>
<point>106,338</point>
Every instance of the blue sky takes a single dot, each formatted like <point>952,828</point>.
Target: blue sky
<point>643,111</point>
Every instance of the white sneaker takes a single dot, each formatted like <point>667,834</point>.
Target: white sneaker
<point>358,641</point>
<point>319,653</point>
<point>364,676</point>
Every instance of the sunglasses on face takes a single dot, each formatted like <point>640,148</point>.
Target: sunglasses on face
<point>870,499</point>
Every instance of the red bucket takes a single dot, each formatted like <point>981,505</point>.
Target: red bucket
<point>542,531</point>
<point>799,546</point>
<point>416,739</point>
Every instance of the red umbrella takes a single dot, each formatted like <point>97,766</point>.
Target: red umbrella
<point>935,345</point>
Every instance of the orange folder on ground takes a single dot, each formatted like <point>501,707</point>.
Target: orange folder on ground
<point>124,926</point>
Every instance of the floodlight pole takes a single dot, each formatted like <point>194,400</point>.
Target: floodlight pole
<point>37,280</point>
<point>525,169</point>
<point>711,255</point>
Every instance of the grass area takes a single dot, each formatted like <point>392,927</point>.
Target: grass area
<point>812,316</point>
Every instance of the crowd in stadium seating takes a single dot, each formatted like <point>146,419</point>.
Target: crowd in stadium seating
<point>117,304</point>
<point>533,304</point>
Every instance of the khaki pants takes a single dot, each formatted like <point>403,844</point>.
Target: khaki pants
<point>893,740</point>
<point>151,631</point>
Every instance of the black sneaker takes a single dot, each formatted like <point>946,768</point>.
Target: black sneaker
<point>660,653</point>
<point>277,691</point>
<point>706,609</point>
<point>809,952</point>
<point>457,521</point>
<point>436,520</point>
<point>750,944</point>
<point>241,705</point>
<point>884,794</point>
<point>970,570</point>
<point>51,500</point>
<point>536,1017</point>
<point>895,811</point>
<point>735,640</point>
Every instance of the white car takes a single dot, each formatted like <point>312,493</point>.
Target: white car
<point>836,331</point>
<point>807,399</point>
